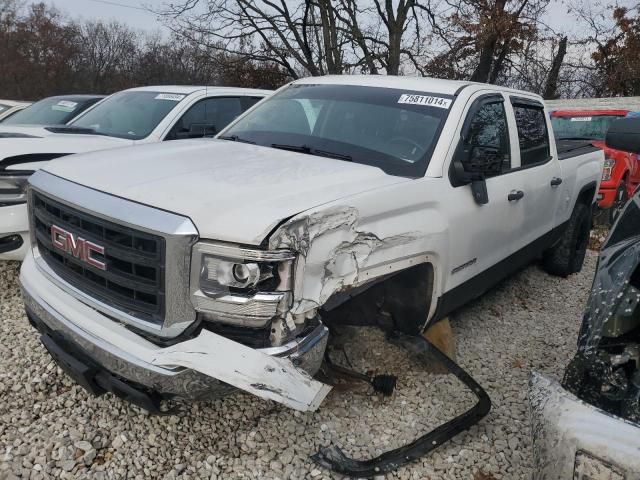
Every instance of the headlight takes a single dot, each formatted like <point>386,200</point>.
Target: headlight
<point>239,286</point>
<point>607,171</point>
<point>218,273</point>
<point>13,187</point>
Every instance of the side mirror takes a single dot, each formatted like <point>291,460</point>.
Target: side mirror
<point>624,134</point>
<point>471,165</point>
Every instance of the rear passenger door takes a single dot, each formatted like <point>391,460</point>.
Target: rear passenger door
<point>538,171</point>
<point>209,116</point>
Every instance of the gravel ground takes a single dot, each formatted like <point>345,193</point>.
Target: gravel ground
<point>50,427</point>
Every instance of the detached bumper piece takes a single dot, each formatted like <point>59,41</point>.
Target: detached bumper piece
<point>332,457</point>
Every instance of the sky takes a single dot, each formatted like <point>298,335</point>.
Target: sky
<point>134,13</point>
<point>131,12</point>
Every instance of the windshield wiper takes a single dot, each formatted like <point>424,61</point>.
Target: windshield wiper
<point>313,151</point>
<point>236,138</point>
<point>292,148</point>
<point>337,156</point>
<point>71,129</point>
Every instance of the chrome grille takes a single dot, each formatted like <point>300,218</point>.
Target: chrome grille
<point>134,278</point>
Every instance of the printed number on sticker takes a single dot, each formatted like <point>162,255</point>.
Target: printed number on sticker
<point>425,100</point>
<point>174,97</point>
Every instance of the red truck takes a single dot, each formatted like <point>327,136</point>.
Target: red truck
<point>621,173</point>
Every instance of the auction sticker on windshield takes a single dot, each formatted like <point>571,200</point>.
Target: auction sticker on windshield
<point>65,106</point>
<point>174,97</point>
<point>426,100</point>
<point>580,119</point>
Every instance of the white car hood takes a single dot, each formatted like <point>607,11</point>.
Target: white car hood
<point>231,191</point>
<point>28,142</point>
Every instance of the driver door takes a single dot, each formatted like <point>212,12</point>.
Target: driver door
<point>484,235</point>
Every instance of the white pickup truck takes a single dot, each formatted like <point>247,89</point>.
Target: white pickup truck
<point>131,117</point>
<point>176,270</point>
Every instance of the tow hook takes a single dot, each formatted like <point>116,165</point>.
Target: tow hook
<point>333,458</point>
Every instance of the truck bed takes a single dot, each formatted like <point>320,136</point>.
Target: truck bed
<point>572,148</point>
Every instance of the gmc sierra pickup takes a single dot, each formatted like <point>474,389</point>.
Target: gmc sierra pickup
<point>131,117</point>
<point>178,269</point>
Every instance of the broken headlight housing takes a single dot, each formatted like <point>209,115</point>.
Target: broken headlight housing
<point>607,171</point>
<point>13,187</point>
<point>240,286</point>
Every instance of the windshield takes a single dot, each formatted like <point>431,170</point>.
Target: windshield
<point>131,115</point>
<point>50,111</point>
<point>395,130</point>
<point>3,107</point>
<point>589,128</point>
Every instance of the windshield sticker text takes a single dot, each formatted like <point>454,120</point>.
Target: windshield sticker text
<point>65,106</point>
<point>174,97</point>
<point>580,119</point>
<point>425,100</point>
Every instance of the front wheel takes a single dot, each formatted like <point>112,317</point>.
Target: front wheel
<point>567,255</point>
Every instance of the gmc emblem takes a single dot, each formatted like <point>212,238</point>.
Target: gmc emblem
<point>77,247</point>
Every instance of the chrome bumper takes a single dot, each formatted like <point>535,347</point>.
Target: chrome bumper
<point>306,353</point>
<point>575,440</point>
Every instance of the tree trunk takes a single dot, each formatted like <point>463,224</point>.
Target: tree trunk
<point>551,86</point>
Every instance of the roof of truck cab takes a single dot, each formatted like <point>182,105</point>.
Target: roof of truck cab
<point>424,84</point>
<point>189,89</point>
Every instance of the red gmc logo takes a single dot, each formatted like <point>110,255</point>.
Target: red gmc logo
<point>77,246</point>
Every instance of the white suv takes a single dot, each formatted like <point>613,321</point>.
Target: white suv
<point>131,117</point>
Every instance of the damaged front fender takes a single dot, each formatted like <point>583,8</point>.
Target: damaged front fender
<point>342,247</point>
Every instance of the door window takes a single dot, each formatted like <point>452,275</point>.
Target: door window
<point>207,117</point>
<point>488,130</point>
<point>532,134</point>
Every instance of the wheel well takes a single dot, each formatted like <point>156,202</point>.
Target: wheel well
<point>398,302</point>
<point>587,195</point>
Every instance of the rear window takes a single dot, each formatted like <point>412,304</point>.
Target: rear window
<point>582,127</point>
<point>532,134</point>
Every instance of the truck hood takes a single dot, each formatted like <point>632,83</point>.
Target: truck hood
<point>28,147</point>
<point>231,191</point>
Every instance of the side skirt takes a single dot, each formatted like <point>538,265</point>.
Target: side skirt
<point>476,286</point>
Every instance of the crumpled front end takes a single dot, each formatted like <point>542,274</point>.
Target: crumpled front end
<point>575,440</point>
<point>129,299</point>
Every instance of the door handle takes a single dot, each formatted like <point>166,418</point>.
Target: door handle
<point>515,195</point>
<point>555,181</point>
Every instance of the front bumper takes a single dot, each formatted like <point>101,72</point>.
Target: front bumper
<point>575,440</point>
<point>13,222</point>
<point>198,368</point>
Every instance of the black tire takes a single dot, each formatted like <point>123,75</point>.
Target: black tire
<point>619,202</point>
<point>567,255</point>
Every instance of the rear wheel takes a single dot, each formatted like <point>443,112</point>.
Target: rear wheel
<point>567,255</point>
<point>619,202</point>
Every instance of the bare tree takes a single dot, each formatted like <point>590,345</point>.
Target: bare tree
<point>309,37</point>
